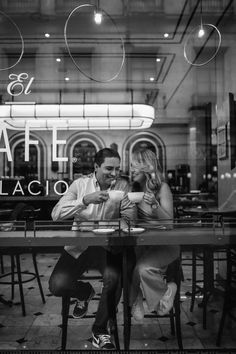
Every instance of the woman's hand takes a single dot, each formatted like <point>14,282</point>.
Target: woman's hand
<point>150,199</point>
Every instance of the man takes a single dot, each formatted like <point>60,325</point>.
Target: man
<point>88,199</point>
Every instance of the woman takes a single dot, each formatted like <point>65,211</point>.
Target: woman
<point>152,261</point>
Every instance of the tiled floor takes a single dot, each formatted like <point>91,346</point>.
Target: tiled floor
<point>40,328</point>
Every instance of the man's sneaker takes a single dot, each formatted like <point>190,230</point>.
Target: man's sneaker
<point>81,307</point>
<point>103,341</point>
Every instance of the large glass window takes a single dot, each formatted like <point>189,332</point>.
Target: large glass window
<point>144,145</point>
<point>83,157</point>
<point>25,168</point>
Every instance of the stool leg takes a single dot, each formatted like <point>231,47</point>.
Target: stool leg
<point>222,322</point>
<point>208,281</point>
<point>126,307</point>
<point>178,313</point>
<point>12,276</point>
<point>194,278</point>
<point>227,297</point>
<point>178,325</point>
<point>177,308</point>
<point>204,301</point>
<point>114,331</point>
<point>2,264</point>
<point>128,329</point>
<point>172,322</point>
<point>116,336</point>
<point>20,284</point>
<point>65,314</point>
<point>38,277</point>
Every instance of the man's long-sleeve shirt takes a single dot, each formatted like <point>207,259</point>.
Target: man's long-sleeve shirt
<point>71,205</point>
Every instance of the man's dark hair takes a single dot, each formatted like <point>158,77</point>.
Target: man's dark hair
<point>103,153</point>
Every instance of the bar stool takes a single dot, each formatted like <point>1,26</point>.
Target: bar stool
<point>200,258</point>
<point>29,214</point>
<point>230,292</point>
<point>66,302</point>
<point>16,263</point>
<point>205,260</point>
<point>173,273</point>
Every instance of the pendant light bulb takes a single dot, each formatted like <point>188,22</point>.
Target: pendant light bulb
<point>201,31</point>
<point>97,17</point>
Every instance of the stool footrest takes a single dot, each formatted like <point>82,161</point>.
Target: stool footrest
<point>16,281</point>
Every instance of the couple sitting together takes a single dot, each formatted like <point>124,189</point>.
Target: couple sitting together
<point>88,199</point>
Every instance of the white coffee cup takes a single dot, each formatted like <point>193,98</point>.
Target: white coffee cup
<point>116,195</point>
<point>135,197</point>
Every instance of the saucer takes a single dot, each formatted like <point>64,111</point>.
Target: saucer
<point>134,230</point>
<point>103,231</point>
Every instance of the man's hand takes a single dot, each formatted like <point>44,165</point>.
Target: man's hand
<point>95,198</point>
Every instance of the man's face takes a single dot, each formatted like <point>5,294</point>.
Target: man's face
<point>108,171</point>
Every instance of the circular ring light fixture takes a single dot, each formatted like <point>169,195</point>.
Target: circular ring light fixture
<point>21,38</point>
<point>99,18</point>
<point>202,33</point>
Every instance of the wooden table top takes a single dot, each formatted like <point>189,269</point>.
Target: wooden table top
<point>194,235</point>
<point>210,210</point>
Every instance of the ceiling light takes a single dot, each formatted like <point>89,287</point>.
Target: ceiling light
<point>97,14</point>
<point>58,60</point>
<point>151,79</point>
<point>158,59</point>
<point>67,78</point>
<point>166,35</point>
<point>77,117</point>
<point>98,17</point>
<point>201,31</point>
<point>47,35</point>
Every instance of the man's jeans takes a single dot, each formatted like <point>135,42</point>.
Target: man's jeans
<point>64,281</point>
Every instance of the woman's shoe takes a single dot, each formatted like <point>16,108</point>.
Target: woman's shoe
<point>137,308</point>
<point>167,301</point>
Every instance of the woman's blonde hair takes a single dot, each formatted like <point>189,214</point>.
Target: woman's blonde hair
<point>148,163</point>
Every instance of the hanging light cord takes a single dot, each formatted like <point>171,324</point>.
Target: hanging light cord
<point>201,13</point>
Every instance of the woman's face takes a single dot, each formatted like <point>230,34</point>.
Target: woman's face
<point>137,174</point>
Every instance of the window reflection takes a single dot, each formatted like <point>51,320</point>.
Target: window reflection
<point>83,158</point>
<point>22,167</point>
